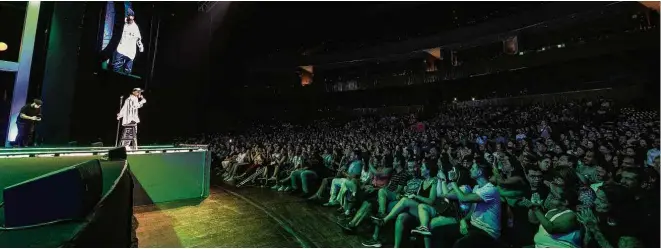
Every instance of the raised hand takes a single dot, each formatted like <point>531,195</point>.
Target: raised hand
<point>526,203</point>
<point>441,175</point>
<point>587,217</point>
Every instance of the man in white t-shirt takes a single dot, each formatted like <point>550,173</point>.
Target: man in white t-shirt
<point>481,227</point>
<point>126,50</point>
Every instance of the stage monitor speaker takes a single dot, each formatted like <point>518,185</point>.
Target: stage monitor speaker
<point>118,153</point>
<point>67,194</point>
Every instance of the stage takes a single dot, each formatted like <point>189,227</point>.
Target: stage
<point>176,206</point>
<point>159,174</point>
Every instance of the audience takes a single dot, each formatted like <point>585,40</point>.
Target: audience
<point>559,175</point>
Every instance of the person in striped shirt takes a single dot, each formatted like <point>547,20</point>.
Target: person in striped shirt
<point>129,111</point>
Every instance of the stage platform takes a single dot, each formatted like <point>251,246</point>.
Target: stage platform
<point>161,174</point>
<point>83,151</point>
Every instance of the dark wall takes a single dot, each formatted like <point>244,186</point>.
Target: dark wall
<point>59,72</point>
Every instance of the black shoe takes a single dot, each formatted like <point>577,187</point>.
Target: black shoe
<point>422,230</point>
<point>372,243</point>
<point>345,226</point>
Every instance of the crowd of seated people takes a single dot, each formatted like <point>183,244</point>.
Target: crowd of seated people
<point>574,174</point>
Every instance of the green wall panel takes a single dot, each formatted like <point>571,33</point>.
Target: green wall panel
<point>172,176</point>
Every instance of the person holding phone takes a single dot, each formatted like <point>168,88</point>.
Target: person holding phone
<point>27,119</point>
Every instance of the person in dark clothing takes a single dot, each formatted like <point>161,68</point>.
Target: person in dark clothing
<point>27,119</point>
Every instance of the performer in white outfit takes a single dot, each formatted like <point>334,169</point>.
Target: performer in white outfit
<point>126,50</point>
<point>129,112</point>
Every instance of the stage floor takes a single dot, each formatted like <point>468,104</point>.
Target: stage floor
<point>249,217</point>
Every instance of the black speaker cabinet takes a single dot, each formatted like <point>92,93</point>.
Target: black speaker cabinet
<point>67,194</point>
<point>116,154</point>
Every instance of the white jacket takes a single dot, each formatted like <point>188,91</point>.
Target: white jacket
<point>130,39</point>
<point>129,112</point>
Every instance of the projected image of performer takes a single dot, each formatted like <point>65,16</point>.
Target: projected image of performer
<point>27,119</point>
<point>126,50</point>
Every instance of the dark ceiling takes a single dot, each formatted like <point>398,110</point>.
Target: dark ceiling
<point>272,27</point>
<point>254,30</point>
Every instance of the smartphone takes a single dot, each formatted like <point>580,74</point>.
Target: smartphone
<point>452,175</point>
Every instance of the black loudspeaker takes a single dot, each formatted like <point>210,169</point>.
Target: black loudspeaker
<point>67,194</point>
<point>116,154</point>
